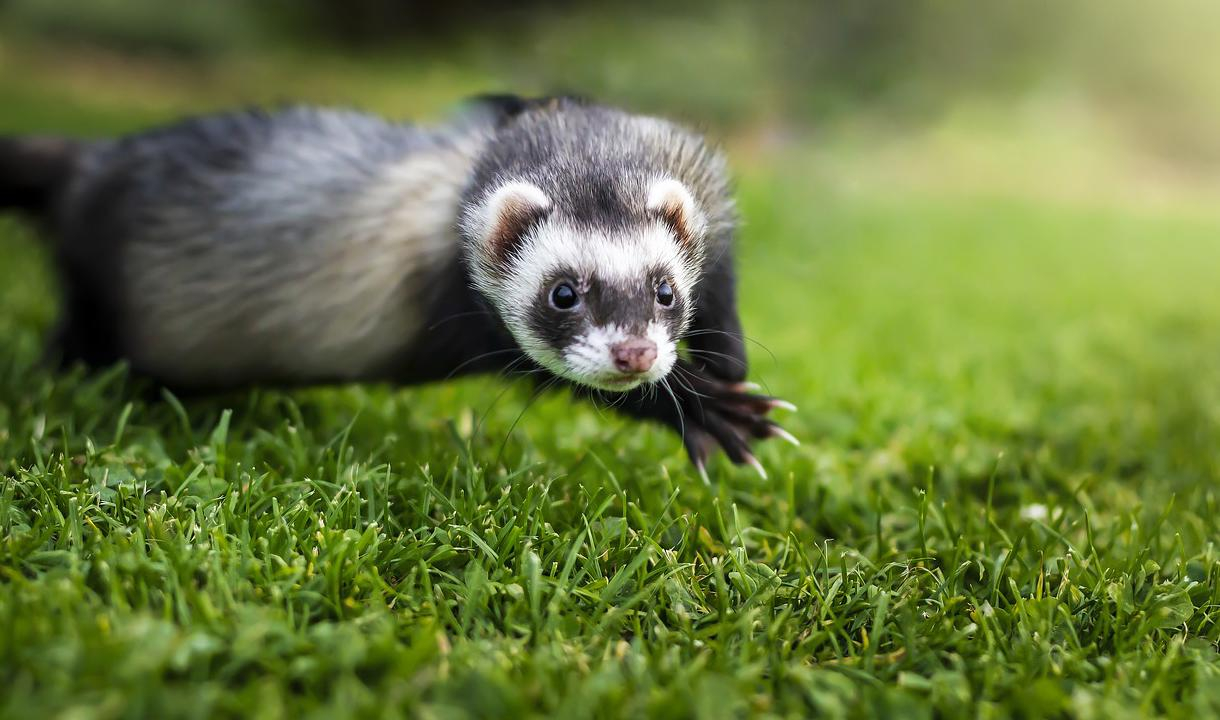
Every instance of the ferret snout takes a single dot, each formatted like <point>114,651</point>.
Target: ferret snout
<point>634,356</point>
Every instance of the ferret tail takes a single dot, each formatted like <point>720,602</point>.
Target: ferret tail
<point>34,171</point>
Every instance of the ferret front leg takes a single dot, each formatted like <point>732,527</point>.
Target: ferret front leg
<point>715,341</point>
<point>707,413</point>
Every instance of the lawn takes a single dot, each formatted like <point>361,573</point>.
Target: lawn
<point>1005,503</point>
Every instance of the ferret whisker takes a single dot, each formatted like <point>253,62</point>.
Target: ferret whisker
<point>740,336</point>
<point>686,384</point>
<point>517,374</point>
<point>477,358</point>
<point>455,316</point>
<point>528,404</point>
<point>499,395</point>
<point>678,407</point>
<point>713,353</point>
<point>512,369</point>
<point>483,417</point>
<point>599,402</point>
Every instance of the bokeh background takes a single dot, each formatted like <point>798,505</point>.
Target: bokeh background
<point>980,250</point>
<point>1103,101</point>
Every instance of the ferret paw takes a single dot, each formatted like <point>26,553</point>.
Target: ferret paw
<point>725,415</point>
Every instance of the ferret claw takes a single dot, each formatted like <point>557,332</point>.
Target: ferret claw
<point>782,434</point>
<point>758,468</point>
<point>782,405</point>
<point>726,415</point>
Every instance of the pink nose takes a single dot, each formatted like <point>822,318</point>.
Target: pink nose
<point>634,356</point>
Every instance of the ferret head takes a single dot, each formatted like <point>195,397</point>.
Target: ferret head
<point>600,303</point>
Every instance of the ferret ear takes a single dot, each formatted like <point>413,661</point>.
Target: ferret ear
<point>509,214</point>
<point>670,202</point>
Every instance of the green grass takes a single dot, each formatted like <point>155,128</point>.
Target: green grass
<point>1005,503</point>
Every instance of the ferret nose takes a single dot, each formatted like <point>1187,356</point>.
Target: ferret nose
<point>634,356</point>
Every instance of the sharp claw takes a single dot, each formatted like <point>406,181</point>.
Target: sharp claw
<point>758,468</point>
<point>781,405</point>
<point>746,387</point>
<point>699,468</point>
<point>782,434</point>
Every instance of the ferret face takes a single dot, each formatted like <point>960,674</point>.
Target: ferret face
<point>602,308</point>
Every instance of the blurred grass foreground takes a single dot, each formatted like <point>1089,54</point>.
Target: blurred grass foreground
<point>981,253</point>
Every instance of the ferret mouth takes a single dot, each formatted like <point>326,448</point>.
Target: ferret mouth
<point>624,380</point>
<point>618,383</point>
<point>616,363</point>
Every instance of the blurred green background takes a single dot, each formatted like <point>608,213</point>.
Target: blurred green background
<point>981,251</point>
<point>1087,101</point>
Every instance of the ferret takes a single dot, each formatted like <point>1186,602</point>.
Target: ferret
<point>310,246</point>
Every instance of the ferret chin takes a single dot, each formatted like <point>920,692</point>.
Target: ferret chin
<point>308,246</point>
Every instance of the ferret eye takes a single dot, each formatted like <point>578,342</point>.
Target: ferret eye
<point>564,296</point>
<point>665,293</point>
